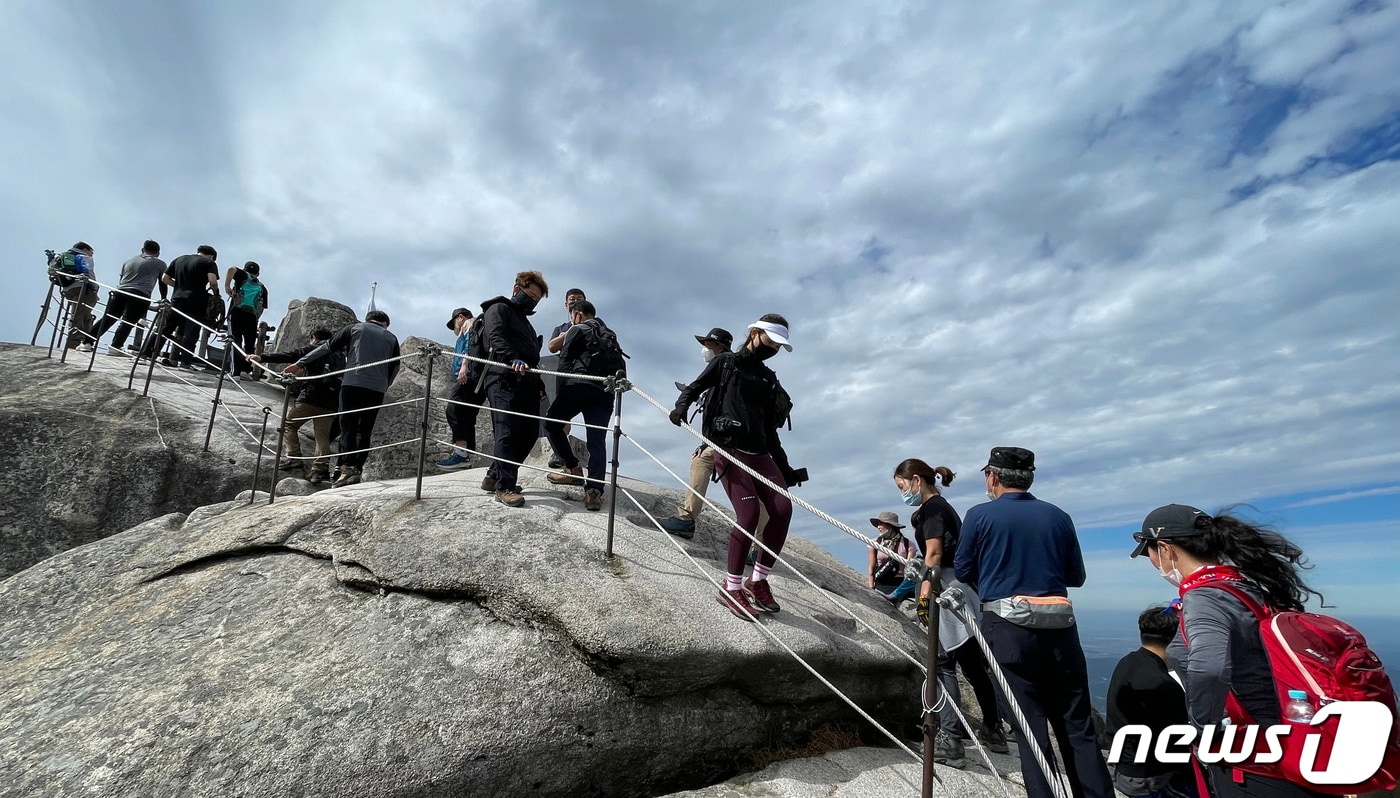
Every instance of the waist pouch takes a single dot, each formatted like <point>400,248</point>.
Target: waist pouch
<point>1034,612</point>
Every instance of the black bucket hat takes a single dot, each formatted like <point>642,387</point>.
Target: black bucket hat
<point>719,335</point>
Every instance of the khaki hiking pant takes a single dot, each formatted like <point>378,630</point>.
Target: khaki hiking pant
<point>291,441</point>
<point>702,468</point>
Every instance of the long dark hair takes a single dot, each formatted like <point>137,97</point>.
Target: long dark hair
<point>1262,555</point>
<point>916,467</point>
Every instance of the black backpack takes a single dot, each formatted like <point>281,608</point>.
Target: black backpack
<point>602,356</point>
<point>476,345</point>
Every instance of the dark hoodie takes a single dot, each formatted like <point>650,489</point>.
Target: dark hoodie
<point>507,335</point>
<point>749,395</point>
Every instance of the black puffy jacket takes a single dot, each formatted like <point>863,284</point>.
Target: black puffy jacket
<point>507,335</point>
<point>743,408</point>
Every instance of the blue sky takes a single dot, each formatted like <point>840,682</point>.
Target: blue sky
<point>1153,243</point>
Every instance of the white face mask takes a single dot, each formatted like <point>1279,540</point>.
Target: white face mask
<point>1173,576</point>
<point>991,495</point>
<point>707,353</point>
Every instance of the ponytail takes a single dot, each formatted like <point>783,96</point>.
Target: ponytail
<point>1262,555</point>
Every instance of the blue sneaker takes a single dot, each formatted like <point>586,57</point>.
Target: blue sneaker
<point>455,462</point>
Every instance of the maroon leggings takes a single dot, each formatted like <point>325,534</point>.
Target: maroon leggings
<point>745,493</point>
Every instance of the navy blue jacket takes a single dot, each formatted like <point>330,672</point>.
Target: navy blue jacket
<point>1019,545</point>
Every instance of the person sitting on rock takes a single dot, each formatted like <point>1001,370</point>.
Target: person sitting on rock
<point>742,415</point>
<point>883,572</point>
<point>316,400</point>
<point>367,345</point>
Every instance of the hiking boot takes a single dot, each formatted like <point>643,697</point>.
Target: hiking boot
<point>761,595</point>
<point>349,475</point>
<point>948,751</point>
<point>994,739</point>
<point>571,476</point>
<point>510,497</point>
<point>455,462</point>
<point>593,499</point>
<point>290,465</point>
<point>680,527</point>
<point>555,462</point>
<point>737,602</point>
<point>317,477</point>
<point>489,484</point>
<point>84,348</point>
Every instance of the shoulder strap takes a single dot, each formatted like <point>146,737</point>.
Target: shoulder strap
<point>1260,611</point>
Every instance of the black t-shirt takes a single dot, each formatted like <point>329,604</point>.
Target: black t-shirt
<point>190,273</point>
<point>1142,692</point>
<point>937,520</point>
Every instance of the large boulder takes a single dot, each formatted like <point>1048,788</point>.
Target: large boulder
<point>84,457</point>
<point>358,642</point>
<point>304,316</point>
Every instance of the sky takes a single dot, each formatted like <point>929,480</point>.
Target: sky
<point>1154,243</point>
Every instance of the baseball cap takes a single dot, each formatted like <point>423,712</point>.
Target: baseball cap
<point>1169,522</point>
<point>455,314</point>
<point>1012,457</point>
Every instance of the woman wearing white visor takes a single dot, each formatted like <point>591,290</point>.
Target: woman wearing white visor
<point>742,415</point>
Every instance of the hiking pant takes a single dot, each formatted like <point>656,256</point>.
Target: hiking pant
<point>596,405</point>
<point>243,332</point>
<point>1049,680</point>
<point>462,420</point>
<point>515,435</point>
<point>748,496</point>
<point>83,298</point>
<point>702,467</point>
<point>126,308</point>
<point>356,427</point>
<point>179,329</point>
<point>967,656</point>
<point>291,441</point>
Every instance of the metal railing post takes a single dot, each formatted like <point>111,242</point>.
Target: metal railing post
<point>91,338</point>
<point>156,340</point>
<point>617,442</point>
<point>58,325</point>
<point>63,320</point>
<point>931,684</point>
<point>281,437</point>
<point>213,411</point>
<point>431,354</point>
<point>43,312</point>
<point>257,464</point>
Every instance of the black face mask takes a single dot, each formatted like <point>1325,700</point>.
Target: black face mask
<point>763,352</point>
<point>524,301</point>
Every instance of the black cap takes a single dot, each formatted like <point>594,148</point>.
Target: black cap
<point>458,312</point>
<point>719,335</point>
<point>1168,523</point>
<point>1012,457</point>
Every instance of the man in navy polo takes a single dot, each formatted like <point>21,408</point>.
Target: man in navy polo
<point>1022,555</point>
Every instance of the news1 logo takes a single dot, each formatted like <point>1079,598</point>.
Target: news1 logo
<point>1364,728</point>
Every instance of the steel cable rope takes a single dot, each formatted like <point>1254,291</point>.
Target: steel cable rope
<point>522,415</point>
<point>506,366</point>
<point>226,407</point>
<point>226,340</point>
<point>773,636</point>
<point>953,599</point>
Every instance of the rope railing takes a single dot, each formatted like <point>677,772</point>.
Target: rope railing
<point>616,384</point>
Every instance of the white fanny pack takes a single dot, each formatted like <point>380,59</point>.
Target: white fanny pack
<point>1033,612</point>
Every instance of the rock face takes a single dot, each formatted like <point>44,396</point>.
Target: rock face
<point>303,316</point>
<point>356,642</point>
<point>84,457</point>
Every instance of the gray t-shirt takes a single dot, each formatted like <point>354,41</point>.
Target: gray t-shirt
<point>140,275</point>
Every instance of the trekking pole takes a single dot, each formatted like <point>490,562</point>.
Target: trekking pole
<point>618,381</point>
<point>43,313</point>
<point>257,464</point>
<point>430,353</point>
<point>213,411</point>
<point>281,437</point>
<point>931,683</point>
<point>156,341</point>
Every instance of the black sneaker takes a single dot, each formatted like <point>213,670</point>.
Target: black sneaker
<point>680,527</point>
<point>948,751</point>
<point>994,739</point>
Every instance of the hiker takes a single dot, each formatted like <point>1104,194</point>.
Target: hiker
<point>937,532</point>
<point>1142,692</point>
<point>81,291</point>
<point>1022,555</point>
<point>589,348</point>
<point>248,298</point>
<point>316,400</point>
<point>1224,652</point>
<point>702,463</point>
<point>461,418</point>
<point>130,300</point>
<point>362,390</point>
<point>743,412</point>
<point>555,342</point>
<point>883,572</point>
<point>193,277</point>
<point>509,339</point>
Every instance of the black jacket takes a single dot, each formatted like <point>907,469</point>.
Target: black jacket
<point>507,335</point>
<point>743,390</point>
<point>324,392</point>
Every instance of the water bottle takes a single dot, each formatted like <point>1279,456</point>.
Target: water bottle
<point>1298,709</point>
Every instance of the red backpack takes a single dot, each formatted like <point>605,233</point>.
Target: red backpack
<point>1328,660</point>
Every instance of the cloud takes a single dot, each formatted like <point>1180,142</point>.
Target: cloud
<point>1153,245</point>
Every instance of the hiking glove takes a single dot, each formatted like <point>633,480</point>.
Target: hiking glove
<point>678,416</point>
<point>922,610</point>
